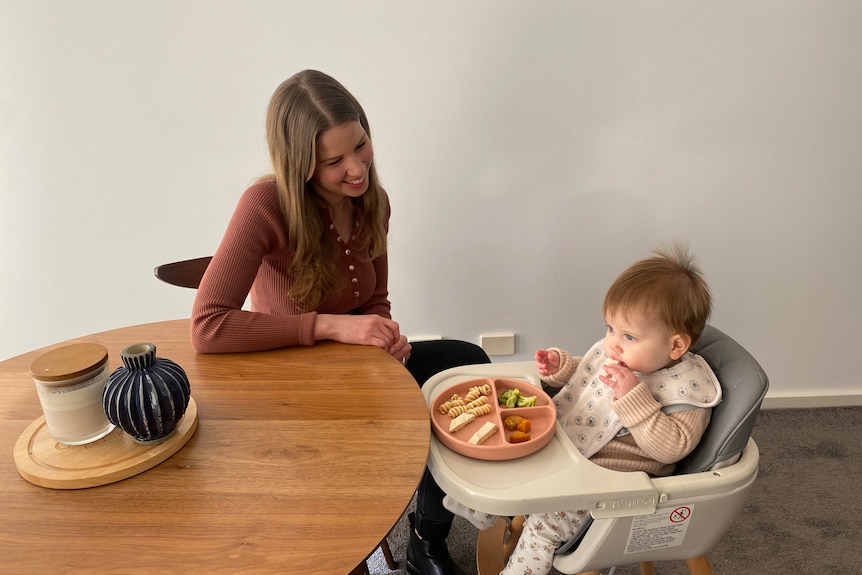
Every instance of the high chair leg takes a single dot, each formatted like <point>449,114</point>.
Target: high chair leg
<point>516,526</point>
<point>494,545</point>
<point>647,568</point>
<point>699,566</point>
<point>489,549</point>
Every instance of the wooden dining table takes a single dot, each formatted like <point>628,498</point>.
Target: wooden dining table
<point>302,461</point>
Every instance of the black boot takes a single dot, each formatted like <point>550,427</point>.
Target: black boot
<point>429,557</point>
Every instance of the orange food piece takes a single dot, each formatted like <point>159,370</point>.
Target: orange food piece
<point>516,422</point>
<point>518,437</point>
<point>512,422</point>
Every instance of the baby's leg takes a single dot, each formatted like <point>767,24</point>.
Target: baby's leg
<point>543,534</point>
<point>481,520</point>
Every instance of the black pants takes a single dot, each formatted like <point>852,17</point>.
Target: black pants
<point>428,358</point>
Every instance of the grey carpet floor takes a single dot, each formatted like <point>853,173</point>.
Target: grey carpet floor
<point>804,515</point>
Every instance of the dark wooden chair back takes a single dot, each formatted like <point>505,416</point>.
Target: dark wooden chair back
<point>187,273</point>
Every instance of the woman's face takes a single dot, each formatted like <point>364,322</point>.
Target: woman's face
<point>344,155</point>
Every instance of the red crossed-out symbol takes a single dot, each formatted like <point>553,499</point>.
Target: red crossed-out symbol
<point>680,514</point>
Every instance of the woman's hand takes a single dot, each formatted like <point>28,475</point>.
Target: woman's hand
<point>547,362</point>
<point>400,350</point>
<point>370,329</point>
<point>620,379</point>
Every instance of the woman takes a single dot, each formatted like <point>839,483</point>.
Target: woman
<point>308,243</point>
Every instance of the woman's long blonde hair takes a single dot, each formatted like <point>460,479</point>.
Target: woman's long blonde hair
<point>301,109</point>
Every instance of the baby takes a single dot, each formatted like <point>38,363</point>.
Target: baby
<point>638,400</point>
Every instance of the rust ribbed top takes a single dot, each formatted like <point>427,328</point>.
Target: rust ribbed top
<point>253,258</point>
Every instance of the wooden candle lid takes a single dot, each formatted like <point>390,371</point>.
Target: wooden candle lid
<point>68,362</point>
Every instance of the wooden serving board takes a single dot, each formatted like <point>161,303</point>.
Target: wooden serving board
<point>43,461</point>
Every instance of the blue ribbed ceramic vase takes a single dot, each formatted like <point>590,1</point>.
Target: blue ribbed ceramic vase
<point>147,396</point>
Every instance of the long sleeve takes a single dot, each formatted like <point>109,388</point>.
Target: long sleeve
<point>253,260</point>
<point>219,324</point>
<point>568,364</point>
<point>664,437</point>
<point>657,440</point>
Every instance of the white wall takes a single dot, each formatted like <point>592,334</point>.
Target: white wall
<point>532,150</point>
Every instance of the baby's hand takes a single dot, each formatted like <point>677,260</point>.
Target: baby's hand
<point>547,362</point>
<point>620,379</point>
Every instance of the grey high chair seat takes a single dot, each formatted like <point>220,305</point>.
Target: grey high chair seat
<point>636,518</point>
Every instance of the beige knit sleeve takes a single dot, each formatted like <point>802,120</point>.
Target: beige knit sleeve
<point>568,365</point>
<point>666,438</point>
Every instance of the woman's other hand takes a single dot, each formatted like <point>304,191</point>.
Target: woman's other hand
<point>370,329</point>
<point>400,350</point>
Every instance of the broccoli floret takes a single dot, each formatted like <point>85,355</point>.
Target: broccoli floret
<point>513,398</point>
<point>527,401</point>
<point>509,398</point>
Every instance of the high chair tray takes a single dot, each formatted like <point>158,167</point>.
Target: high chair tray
<point>553,478</point>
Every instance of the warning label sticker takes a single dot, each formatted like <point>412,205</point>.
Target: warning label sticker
<point>659,530</point>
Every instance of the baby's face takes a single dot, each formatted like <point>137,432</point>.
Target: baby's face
<point>641,345</point>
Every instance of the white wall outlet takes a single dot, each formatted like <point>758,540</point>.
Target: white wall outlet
<point>498,343</point>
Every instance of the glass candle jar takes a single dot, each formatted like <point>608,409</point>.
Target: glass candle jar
<point>70,381</point>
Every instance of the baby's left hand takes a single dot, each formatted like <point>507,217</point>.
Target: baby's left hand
<point>620,379</point>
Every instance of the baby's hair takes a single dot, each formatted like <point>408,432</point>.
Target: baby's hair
<point>668,287</point>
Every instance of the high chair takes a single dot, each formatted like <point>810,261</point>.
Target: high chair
<point>636,518</point>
